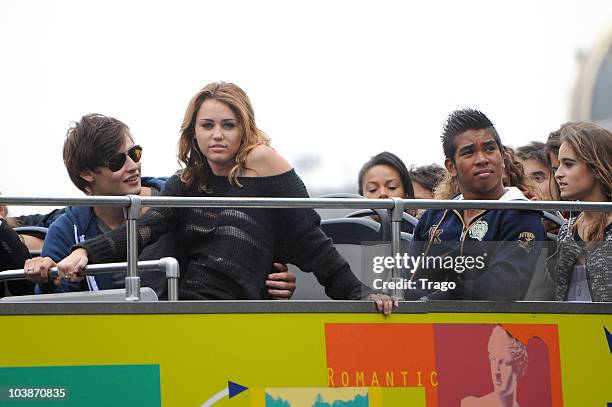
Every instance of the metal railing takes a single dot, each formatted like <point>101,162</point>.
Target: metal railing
<point>132,205</point>
<point>167,265</point>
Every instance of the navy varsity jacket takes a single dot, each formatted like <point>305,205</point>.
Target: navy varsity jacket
<point>491,258</point>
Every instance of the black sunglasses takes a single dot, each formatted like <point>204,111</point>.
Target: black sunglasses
<point>116,162</point>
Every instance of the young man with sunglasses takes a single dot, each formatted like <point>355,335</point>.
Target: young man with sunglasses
<point>102,159</point>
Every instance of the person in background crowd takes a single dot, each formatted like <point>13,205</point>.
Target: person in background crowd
<point>551,149</point>
<point>385,176</point>
<point>581,264</point>
<point>535,164</point>
<point>515,176</point>
<point>228,251</point>
<point>474,157</point>
<point>425,179</point>
<point>102,159</point>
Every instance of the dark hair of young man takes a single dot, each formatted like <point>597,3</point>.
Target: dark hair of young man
<point>461,121</point>
<point>393,161</point>
<point>533,151</point>
<point>429,176</point>
<point>90,143</point>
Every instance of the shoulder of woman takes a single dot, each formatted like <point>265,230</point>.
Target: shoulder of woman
<point>173,185</point>
<point>263,161</point>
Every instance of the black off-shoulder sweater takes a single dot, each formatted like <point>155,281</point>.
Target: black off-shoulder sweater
<point>13,253</point>
<point>227,253</point>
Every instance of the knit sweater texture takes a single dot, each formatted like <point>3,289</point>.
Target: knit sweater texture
<point>227,253</point>
<point>598,267</point>
<point>13,254</point>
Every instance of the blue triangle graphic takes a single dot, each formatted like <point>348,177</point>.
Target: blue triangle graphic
<point>609,337</point>
<point>235,388</point>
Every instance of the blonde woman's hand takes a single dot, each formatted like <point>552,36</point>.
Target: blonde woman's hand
<point>71,268</point>
<point>281,282</point>
<point>383,302</point>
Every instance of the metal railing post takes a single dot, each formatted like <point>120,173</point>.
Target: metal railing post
<point>171,266</point>
<point>132,281</point>
<point>396,215</point>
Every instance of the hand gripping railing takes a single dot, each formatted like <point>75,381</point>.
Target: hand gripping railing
<point>168,265</point>
<point>395,207</point>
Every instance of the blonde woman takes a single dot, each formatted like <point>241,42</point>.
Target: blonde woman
<point>228,251</point>
<point>582,271</point>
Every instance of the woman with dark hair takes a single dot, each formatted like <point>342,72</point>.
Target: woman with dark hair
<point>228,251</point>
<point>385,176</point>
<point>582,270</point>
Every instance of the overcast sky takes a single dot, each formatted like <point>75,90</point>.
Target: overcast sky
<point>332,82</point>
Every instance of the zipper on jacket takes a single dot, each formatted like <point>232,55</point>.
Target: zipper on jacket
<point>466,228</point>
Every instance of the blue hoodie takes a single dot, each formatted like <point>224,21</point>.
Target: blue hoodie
<point>504,245</point>
<point>77,224</point>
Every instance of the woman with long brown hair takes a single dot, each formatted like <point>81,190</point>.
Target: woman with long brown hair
<point>227,252</point>
<point>582,269</point>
